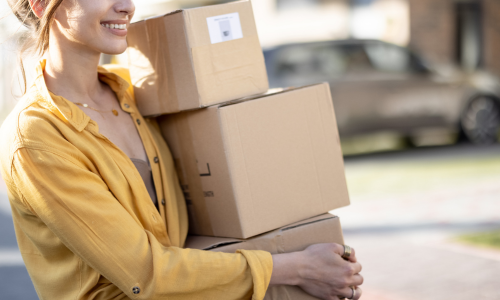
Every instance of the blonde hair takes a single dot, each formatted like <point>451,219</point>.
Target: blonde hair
<point>37,37</point>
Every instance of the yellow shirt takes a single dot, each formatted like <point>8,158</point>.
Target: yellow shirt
<point>84,221</point>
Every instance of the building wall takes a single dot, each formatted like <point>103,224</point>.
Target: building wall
<point>432,29</point>
<point>491,35</point>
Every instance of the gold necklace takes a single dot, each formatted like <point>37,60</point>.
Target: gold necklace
<point>114,111</point>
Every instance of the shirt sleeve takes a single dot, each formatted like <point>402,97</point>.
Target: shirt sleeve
<point>76,204</point>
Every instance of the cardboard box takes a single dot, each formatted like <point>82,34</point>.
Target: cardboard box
<point>296,237</point>
<point>258,164</point>
<point>196,57</point>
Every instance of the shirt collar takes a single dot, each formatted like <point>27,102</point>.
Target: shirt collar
<point>67,110</point>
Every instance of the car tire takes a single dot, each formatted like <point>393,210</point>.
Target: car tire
<point>480,122</point>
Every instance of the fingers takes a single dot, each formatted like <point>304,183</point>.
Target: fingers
<point>356,267</point>
<point>350,293</point>
<point>346,293</point>
<point>338,249</point>
<point>357,280</point>
<point>352,257</point>
<point>358,293</point>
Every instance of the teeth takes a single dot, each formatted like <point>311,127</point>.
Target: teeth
<point>115,26</point>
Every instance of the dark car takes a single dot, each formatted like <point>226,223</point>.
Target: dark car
<point>377,86</point>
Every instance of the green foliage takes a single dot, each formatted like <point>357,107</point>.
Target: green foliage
<point>489,239</point>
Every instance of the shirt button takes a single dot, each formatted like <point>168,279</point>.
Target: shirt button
<point>156,160</point>
<point>163,201</point>
<point>136,290</point>
<point>126,105</point>
<point>138,122</point>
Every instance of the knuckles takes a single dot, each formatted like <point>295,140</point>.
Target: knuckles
<point>349,270</point>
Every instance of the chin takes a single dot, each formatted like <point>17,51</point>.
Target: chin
<point>115,49</point>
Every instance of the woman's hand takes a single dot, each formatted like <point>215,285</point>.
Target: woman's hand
<point>320,271</point>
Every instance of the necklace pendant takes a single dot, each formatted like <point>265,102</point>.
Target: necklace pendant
<point>115,112</point>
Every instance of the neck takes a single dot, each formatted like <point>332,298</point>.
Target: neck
<point>71,71</point>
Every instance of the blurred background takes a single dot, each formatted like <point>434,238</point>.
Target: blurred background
<point>416,89</point>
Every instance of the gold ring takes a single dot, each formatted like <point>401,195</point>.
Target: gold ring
<point>347,252</point>
<point>353,292</point>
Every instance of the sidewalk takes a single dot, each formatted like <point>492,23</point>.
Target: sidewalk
<point>395,268</point>
<point>407,210</point>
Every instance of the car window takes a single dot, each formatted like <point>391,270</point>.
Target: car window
<point>389,58</point>
<point>302,64</point>
<point>312,62</point>
<point>356,60</point>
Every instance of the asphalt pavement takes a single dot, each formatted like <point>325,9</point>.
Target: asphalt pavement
<point>407,208</point>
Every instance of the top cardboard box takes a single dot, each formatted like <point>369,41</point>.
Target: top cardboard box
<point>196,57</point>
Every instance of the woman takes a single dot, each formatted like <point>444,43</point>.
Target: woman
<point>97,207</point>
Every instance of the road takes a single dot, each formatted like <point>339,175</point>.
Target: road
<point>407,208</point>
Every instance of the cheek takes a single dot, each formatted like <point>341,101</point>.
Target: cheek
<point>81,25</point>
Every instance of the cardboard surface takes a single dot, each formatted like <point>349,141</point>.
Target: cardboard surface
<point>175,66</point>
<point>252,166</point>
<point>325,228</point>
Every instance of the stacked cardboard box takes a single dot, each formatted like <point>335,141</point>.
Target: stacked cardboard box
<point>250,161</point>
<point>196,57</point>
<point>257,164</point>
<point>295,237</point>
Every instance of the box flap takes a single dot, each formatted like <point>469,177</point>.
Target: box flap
<point>208,242</point>
<point>270,92</point>
<point>294,237</point>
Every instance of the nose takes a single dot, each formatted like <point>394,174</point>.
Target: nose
<point>126,7</point>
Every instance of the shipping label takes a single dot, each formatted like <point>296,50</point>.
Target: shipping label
<point>224,28</point>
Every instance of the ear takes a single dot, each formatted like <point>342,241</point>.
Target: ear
<point>38,7</point>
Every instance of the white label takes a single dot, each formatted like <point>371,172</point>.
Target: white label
<point>224,28</point>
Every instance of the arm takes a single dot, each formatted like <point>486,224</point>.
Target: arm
<point>319,270</point>
<point>77,206</point>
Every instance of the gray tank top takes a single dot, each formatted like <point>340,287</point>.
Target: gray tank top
<point>147,176</point>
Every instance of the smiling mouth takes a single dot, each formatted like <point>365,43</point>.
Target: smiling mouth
<point>115,26</point>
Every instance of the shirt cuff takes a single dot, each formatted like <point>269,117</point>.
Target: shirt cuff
<point>261,267</point>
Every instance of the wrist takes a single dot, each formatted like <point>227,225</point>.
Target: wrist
<point>286,269</point>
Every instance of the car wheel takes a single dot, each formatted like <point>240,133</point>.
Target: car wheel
<point>481,120</point>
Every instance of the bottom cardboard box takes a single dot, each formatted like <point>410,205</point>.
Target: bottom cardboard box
<point>295,237</point>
